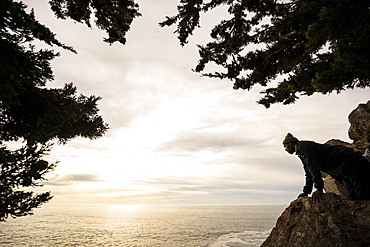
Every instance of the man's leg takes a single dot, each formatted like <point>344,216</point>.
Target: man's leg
<point>359,177</point>
<point>349,187</point>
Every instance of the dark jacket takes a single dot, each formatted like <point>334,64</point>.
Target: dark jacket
<point>322,157</point>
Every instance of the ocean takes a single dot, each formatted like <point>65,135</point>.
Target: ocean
<point>142,226</point>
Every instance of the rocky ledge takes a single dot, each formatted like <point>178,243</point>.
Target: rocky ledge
<point>335,222</point>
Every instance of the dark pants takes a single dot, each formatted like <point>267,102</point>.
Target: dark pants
<point>358,177</point>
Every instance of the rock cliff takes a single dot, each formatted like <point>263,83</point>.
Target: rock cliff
<point>336,222</point>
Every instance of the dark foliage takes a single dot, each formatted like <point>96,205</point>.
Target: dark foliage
<point>114,17</point>
<point>22,168</point>
<point>315,46</point>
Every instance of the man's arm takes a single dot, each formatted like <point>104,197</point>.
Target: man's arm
<point>312,172</point>
<point>307,188</point>
<point>311,165</point>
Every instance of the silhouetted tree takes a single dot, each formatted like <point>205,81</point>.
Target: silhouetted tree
<point>35,114</point>
<point>317,46</point>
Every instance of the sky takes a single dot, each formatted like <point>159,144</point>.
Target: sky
<point>177,138</point>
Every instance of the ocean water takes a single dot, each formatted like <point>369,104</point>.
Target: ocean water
<point>142,226</point>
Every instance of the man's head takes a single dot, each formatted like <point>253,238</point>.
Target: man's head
<point>289,143</point>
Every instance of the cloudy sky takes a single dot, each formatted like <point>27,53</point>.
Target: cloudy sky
<point>176,137</point>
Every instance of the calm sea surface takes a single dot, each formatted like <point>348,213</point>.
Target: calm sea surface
<point>139,226</point>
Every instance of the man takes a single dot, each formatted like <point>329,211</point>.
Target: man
<point>346,165</point>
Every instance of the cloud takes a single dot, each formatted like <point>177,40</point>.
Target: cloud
<point>175,190</point>
<point>74,178</point>
<point>215,140</point>
<point>219,185</point>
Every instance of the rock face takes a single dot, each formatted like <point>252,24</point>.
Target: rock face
<point>359,131</point>
<point>342,143</point>
<point>333,186</point>
<point>335,222</point>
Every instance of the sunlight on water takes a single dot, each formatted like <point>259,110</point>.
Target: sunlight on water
<point>139,226</point>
